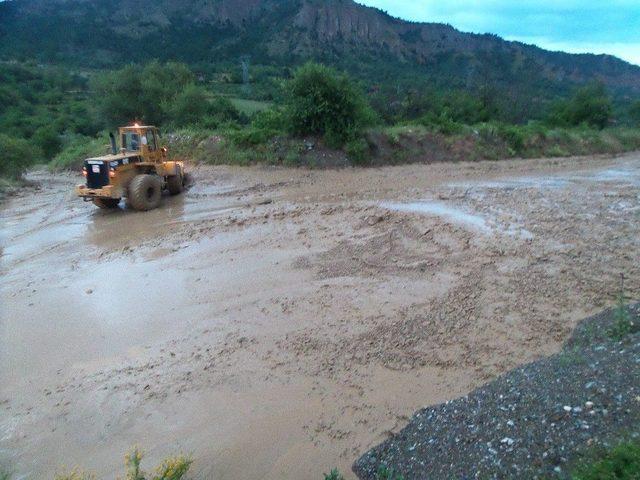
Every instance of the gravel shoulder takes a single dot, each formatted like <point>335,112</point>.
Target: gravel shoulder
<point>532,422</point>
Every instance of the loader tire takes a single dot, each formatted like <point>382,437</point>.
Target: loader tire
<point>106,203</point>
<point>175,184</point>
<point>145,192</point>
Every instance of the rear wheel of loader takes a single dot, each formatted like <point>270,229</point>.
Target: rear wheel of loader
<point>175,184</point>
<point>106,203</point>
<point>145,192</point>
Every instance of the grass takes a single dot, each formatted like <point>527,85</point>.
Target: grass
<point>78,148</point>
<point>174,468</point>
<point>622,324</point>
<point>249,107</point>
<point>494,140</point>
<point>619,463</point>
<point>333,475</point>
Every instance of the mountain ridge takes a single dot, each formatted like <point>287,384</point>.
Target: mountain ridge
<point>106,33</point>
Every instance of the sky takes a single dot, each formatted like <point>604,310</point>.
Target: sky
<point>575,26</point>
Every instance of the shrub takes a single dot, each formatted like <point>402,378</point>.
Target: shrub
<point>251,136</point>
<point>322,102</point>
<point>513,136</point>
<point>442,123</point>
<point>333,475</point>
<point>634,113</point>
<point>48,140</point>
<point>271,119</point>
<point>190,106</point>
<point>174,468</point>
<point>17,156</point>
<point>590,105</point>
<point>76,149</point>
<point>620,463</point>
<point>358,151</point>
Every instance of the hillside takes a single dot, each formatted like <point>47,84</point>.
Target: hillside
<point>367,42</point>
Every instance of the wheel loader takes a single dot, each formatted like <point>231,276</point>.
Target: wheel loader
<point>139,171</point>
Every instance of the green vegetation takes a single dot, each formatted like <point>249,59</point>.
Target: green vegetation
<point>333,475</point>
<point>250,107</point>
<point>590,105</point>
<point>290,117</point>
<point>17,156</point>
<point>322,102</point>
<point>77,148</point>
<point>622,323</point>
<point>174,468</point>
<point>619,463</point>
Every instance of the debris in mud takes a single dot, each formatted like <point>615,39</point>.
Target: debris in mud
<point>532,422</point>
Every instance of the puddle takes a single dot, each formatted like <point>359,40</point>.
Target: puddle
<point>622,175</point>
<point>514,183</point>
<point>460,217</point>
<point>439,209</point>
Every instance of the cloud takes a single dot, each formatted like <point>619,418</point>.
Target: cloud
<point>612,26</point>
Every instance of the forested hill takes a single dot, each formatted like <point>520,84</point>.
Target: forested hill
<point>365,41</point>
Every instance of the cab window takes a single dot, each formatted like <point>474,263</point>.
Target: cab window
<point>131,141</point>
<point>151,140</point>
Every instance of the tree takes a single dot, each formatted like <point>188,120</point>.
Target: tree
<point>590,105</point>
<point>146,94</point>
<point>323,102</point>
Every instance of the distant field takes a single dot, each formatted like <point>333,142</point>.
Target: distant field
<point>249,107</point>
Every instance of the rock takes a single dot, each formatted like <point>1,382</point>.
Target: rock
<point>508,441</point>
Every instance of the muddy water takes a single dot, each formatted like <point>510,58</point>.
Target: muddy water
<point>277,323</point>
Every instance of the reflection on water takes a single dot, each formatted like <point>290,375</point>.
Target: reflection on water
<point>442,210</point>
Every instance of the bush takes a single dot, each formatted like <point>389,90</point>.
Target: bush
<point>48,140</point>
<point>442,123</point>
<point>76,149</point>
<point>322,102</point>
<point>174,468</point>
<point>251,136</point>
<point>190,106</point>
<point>590,105</point>
<point>620,463</point>
<point>358,151</point>
<point>513,136</point>
<point>634,113</point>
<point>271,119</point>
<point>17,156</point>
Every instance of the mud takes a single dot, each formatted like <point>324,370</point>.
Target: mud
<point>276,323</point>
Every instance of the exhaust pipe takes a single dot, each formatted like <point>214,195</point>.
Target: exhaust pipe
<point>114,148</point>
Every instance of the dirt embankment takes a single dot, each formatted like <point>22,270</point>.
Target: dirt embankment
<point>276,323</point>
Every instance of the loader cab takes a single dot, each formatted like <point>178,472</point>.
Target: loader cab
<point>143,140</point>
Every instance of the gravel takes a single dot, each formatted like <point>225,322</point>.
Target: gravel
<point>532,422</point>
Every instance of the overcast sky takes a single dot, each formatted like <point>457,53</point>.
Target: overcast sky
<point>577,26</point>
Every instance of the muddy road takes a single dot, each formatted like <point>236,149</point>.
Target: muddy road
<point>276,323</point>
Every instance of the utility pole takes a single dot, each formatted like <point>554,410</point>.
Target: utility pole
<point>246,78</point>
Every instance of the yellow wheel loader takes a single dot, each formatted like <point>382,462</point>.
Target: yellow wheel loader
<point>139,171</point>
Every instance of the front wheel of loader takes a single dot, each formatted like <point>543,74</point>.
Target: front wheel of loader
<point>175,184</point>
<point>106,203</point>
<point>145,192</point>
